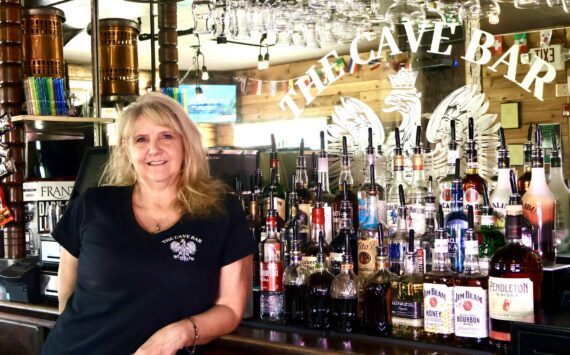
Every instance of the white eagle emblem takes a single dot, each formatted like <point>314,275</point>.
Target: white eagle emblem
<point>183,250</point>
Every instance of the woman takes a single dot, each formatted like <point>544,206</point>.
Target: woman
<point>159,260</point>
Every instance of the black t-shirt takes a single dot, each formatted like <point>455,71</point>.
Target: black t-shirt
<point>130,283</point>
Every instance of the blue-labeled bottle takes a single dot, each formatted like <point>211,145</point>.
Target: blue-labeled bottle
<point>456,223</point>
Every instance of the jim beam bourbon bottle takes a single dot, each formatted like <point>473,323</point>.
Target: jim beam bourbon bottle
<point>472,182</point>
<point>515,278</point>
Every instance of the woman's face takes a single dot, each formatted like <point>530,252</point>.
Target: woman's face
<point>156,152</point>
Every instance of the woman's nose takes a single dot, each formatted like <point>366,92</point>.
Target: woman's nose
<point>154,145</point>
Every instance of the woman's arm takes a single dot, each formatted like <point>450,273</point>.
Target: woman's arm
<point>221,319</point>
<point>67,277</point>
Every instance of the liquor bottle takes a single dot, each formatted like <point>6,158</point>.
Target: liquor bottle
<point>428,166</point>
<point>367,233</point>
<point>275,183</point>
<point>417,191</point>
<point>301,178</point>
<point>524,179</point>
<point>398,242</point>
<point>470,299</point>
<point>500,196</point>
<point>344,295</point>
<point>272,187</point>
<point>562,194</point>
<point>295,279</point>
<point>271,270</point>
<point>472,182</point>
<point>317,227</point>
<point>427,239</point>
<point>314,180</point>
<point>254,225</point>
<point>492,238</point>
<point>539,207</point>
<point>365,187</point>
<point>345,175</point>
<point>446,181</point>
<point>238,192</point>
<point>408,299</point>
<point>326,195</point>
<point>383,178</point>
<point>456,223</point>
<point>438,293</point>
<point>319,299</point>
<point>345,228</point>
<point>515,279</point>
<point>393,197</point>
<point>378,293</point>
<point>295,217</point>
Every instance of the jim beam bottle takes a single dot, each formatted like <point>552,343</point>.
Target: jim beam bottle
<point>345,176</point>
<point>417,192</point>
<point>447,180</point>
<point>515,278</point>
<point>393,196</point>
<point>524,179</point>
<point>472,182</point>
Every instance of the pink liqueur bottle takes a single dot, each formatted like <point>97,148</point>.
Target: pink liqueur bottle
<point>539,206</point>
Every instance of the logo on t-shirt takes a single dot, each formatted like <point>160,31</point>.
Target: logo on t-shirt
<point>183,246</point>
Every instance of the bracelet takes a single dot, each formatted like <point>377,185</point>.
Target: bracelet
<point>193,351</point>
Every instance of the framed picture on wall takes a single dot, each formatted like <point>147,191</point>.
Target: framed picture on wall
<point>516,154</point>
<point>510,115</point>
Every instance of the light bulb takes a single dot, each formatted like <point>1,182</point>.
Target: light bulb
<point>205,75</point>
<point>494,19</point>
<point>260,64</point>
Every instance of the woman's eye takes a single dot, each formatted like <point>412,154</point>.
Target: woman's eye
<point>140,139</point>
<point>167,136</point>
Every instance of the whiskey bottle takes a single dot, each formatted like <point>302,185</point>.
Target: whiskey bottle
<point>500,196</point>
<point>446,181</point>
<point>345,228</point>
<point>378,294</point>
<point>398,241</point>
<point>408,299</point>
<point>319,299</point>
<point>317,227</point>
<point>326,197</point>
<point>345,175</point>
<point>524,179</point>
<point>492,238</point>
<point>562,194</point>
<point>456,223</point>
<point>472,182</point>
<point>275,184</point>
<point>438,293</point>
<point>271,270</point>
<point>417,192</point>
<point>295,279</point>
<point>301,178</point>
<point>295,217</point>
<point>515,278</point>
<point>367,233</point>
<point>365,187</point>
<point>344,295</point>
<point>393,197</point>
<point>470,300</point>
<point>539,207</point>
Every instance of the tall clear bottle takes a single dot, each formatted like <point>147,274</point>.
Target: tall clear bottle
<point>271,270</point>
<point>526,177</point>
<point>499,199</point>
<point>438,293</point>
<point>317,227</point>
<point>345,228</point>
<point>393,197</point>
<point>275,183</point>
<point>364,189</point>
<point>398,241</point>
<point>515,279</point>
<point>539,206</point>
<point>447,180</point>
<point>326,195</point>
<point>295,281</point>
<point>344,295</point>
<point>408,299</point>
<point>493,239</point>
<point>427,239</point>
<point>367,233</point>
<point>378,293</point>
<point>471,300</point>
<point>562,193</point>
<point>473,182</point>
<point>417,192</point>
<point>319,301</point>
<point>345,176</point>
<point>456,223</point>
<point>302,182</point>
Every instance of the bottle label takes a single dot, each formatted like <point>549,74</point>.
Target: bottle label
<point>392,215</point>
<point>421,260</point>
<point>441,246</point>
<point>346,267</point>
<point>471,247</point>
<point>407,313</point>
<point>456,247</point>
<point>336,260</point>
<point>471,312</point>
<point>445,197</point>
<point>271,276</point>
<point>438,309</point>
<point>472,197</point>
<point>382,211</point>
<point>488,220</point>
<point>309,262</point>
<point>366,256</point>
<point>499,217</point>
<point>484,265</point>
<point>279,205</point>
<point>510,299</point>
<point>305,208</point>
<point>361,208</point>
<point>328,223</point>
<point>417,218</point>
<point>323,165</point>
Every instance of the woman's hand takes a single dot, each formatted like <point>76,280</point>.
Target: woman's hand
<point>168,340</point>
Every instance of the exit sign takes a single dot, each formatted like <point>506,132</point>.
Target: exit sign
<point>550,54</point>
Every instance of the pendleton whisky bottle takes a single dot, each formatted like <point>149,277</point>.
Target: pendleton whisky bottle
<point>515,279</point>
<point>364,189</point>
<point>319,290</point>
<point>408,299</point>
<point>500,196</point>
<point>345,176</point>
<point>344,295</point>
<point>539,206</point>
<point>472,182</point>
<point>524,179</point>
<point>295,279</point>
<point>275,183</point>
<point>447,180</point>
<point>393,195</point>
<point>417,192</point>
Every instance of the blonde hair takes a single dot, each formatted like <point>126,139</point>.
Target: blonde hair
<point>198,192</point>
